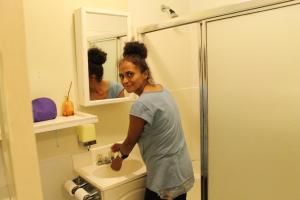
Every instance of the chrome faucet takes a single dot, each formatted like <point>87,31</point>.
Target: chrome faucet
<point>105,159</point>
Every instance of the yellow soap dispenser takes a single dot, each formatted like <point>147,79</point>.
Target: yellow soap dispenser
<point>86,134</point>
<point>67,107</point>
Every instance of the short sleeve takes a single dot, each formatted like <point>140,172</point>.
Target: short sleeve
<point>115,89</point>
<point>138,109</point>
<point>118,88</point>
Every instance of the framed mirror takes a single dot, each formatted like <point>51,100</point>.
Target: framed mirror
<point>107,31</point>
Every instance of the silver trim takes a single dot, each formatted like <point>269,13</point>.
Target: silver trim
<point>204,115</point>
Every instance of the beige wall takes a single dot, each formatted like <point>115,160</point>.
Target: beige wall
<point>196,5</point>
<point>2,175</point>
<point>148,12</point>
<point>52,65</point>
<point>174,61</point>
<point>3,183</point>
<point>18,143</point>
<point>51,44</point>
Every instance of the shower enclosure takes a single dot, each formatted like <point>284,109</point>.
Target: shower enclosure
<point>248,68</point>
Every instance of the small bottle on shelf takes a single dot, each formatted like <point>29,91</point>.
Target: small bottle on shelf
<point>67,105</point>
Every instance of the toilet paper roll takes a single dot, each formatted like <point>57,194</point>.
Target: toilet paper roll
<point>81,194</point>
<point>70,187</point>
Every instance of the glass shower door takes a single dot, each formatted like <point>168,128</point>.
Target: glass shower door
<point>253,105</point>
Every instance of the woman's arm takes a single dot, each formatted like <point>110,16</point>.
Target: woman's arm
<point>136,127</point>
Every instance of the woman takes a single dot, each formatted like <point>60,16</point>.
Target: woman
<point>155,125</point>
<point>99,88</point>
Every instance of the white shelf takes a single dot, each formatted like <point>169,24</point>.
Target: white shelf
<point>61,122</point>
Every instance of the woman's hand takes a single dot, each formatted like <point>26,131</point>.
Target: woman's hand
<point>116,163</point>
<point>115,147</point>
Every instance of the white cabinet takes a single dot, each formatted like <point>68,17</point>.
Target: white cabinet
<point>133,190</point>
<point>135,194</point>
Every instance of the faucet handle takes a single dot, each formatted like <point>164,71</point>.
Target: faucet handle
<point>111,155</point>
<point>99,156</point>
<point>105,158</point>
<point>99,159</point>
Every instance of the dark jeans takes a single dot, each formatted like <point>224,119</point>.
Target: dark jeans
<point>150,195</point>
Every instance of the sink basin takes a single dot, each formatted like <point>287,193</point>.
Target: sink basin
<point>128,167</point>
<point>104,178</point>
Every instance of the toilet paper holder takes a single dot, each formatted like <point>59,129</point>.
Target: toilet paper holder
<point>80,182</point>
<point>92,192</point>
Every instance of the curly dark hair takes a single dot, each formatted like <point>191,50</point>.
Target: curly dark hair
<point>136,53</point>
<point>135,49</point>
<point>96,57</point>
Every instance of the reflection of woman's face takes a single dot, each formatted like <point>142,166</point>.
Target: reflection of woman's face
<point>132,78</point>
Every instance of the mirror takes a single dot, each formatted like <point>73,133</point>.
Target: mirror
<point>107,31</point>
<point>110,47</point>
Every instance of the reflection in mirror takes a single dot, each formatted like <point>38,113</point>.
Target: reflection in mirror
<point>103,71</point>
<point>108,31</point>
<point>111,49</point>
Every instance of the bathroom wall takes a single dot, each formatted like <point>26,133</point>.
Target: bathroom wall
<point>179,74</point>
<point>174,61</point>
<point>148,12</point>
<point>18,143</point>
<point>51,46</point>
<point>196,5</point>
<point>3,183</point>
<point>176,68</point>
<point>52,65</point>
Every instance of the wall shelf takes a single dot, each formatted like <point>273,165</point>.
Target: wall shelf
<point>61,122</point>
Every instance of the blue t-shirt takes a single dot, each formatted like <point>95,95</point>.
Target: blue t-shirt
<point>114,90</point>
<point>162,144</point>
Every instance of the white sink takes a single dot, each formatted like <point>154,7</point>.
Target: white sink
<point>126,184</point>
<point>128,168</point>
<point>103,177</point>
